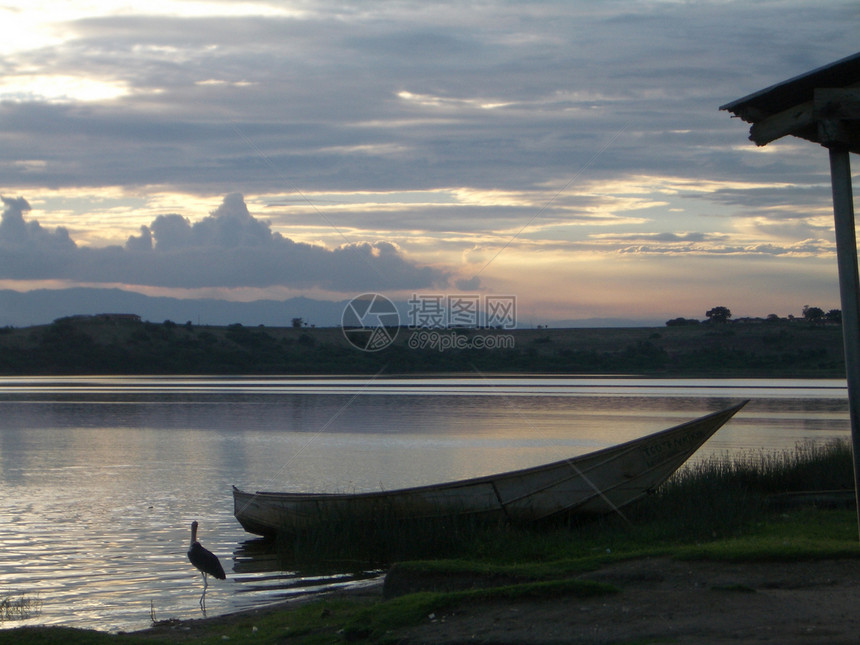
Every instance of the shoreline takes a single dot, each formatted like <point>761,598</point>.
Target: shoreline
<point>658,599</point>
<point>369,591</point>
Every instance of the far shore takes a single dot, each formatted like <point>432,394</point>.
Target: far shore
<point>99,345</point>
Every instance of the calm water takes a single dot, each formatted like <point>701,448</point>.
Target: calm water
<point>101,477</point>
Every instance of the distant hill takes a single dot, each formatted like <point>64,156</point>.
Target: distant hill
<point>605,322</point>
<point>42,306</point>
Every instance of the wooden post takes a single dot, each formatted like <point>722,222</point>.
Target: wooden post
<point>849,290</point>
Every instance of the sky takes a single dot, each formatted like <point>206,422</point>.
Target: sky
<point>570,154</point>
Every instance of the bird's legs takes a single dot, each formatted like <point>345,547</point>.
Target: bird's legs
<point>203,595</point>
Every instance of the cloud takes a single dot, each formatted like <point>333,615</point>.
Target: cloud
<point>27,250</point>
<point>804,248</point>
<point>469,284</point>
<point>479,112</point>
<point>18,234</point>
<point>214,99</point>
<point>229,248</point>
<point>659,237</point>
<point>230,226</point>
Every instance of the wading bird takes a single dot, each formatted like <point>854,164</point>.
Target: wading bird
<point>205,561</point>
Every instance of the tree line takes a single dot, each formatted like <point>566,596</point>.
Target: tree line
<point>721,314</point>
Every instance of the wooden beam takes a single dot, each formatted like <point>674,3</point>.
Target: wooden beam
<point>841,104</point>
<point>783,123</point>
<point>837,112</point>
<point>833,134</point>
<point>826,113</point>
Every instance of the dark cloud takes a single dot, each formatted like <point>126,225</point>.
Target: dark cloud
<point>469,284</point>
<point>229,248</point>
<point>18,234</point>
<point>218,99</point>
<point>792,196</point>
<point>661,237</point>
<point>27,250</point>
<point>464,218</point>
<point>804,248</point>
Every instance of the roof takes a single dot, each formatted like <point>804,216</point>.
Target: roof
<point>822,106</point>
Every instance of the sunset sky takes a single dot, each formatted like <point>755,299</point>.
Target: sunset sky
<point>569,153</point>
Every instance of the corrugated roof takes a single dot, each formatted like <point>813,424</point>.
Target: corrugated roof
<point>822,106</point>
<point>797,90</point>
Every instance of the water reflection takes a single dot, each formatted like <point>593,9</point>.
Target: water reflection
<point>261,569</point>
<point>102,476</point>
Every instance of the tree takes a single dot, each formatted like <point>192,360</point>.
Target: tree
<point>677,322</point>
<point>813,314</point>
<point>834,316</point>
<point>719,314</point>
<point>297,323</point>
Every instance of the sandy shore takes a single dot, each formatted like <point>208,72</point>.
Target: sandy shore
<point>660,600</point>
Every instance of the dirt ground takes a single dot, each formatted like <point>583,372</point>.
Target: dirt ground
<point>669,601</point>
<point>661,600</point>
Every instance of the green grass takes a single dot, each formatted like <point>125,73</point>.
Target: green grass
<point>716,510</point>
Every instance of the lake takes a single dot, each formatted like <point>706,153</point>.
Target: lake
<point>102,477</point>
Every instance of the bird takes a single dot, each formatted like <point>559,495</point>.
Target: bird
<point>205,561</point>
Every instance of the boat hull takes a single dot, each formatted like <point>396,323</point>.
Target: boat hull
<point>595,483</point>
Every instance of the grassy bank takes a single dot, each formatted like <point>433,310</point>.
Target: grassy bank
<point>107,346</point>
<point>720,509</point>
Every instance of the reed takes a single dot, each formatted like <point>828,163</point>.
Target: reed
<point>19,607</point>
<point>810,466</point>
<point>720,496</point>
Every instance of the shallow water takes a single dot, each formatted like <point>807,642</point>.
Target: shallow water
<point>103,476</point>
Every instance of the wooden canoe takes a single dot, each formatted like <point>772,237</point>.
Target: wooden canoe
<point>598,482</point>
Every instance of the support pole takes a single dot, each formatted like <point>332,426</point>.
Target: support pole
<point>849,290</point>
